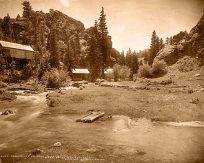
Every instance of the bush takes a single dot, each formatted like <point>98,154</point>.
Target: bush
<point>121,72</point>
<point>187,64</point>
<point>56,78</point>
<point>145,71</point>
<point>159,68</point>
<point>109,76</point>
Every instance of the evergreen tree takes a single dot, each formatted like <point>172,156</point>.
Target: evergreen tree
<point>134,66</point>
<point>27,9</point>
<point>161,44</point>
<point>167,41</point>
<point>7,28</point>
<point>128,57</point>
<point>157,45</point>
<point>104,48</point>
<point>69,58</point>
<point>122,58</point>
<point>146,57</point>
<point>153,47</point>
<point>94,55</point>
<point>54,54</point>
<point>171,41</point>
<point>77,49</point>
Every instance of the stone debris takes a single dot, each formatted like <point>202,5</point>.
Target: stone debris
<point>190,91</point>
<point>37,152</point>
<point>57,144</point>
<point>196,75</point>
<point>3,85</point>
<point>6,96</point>
<point>195,101</point>
<point>7,112</point>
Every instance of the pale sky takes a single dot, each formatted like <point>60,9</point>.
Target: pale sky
<point>130,22</point>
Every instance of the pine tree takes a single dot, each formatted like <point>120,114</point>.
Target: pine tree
<point>134,64</point>
<point>7,28</point>
<point>94,60</point>
<point>122,60</point>
<point>146,57</point>
<point>157,45</point>
<point>94,55</point>
<point>69,60</point>
<point>54,54</point>
<point>77,49</point>
<point>27,9</point>
<point>153,47</point>
<point>161,44</point>
<point>102,26</point>
<point>128,57</point>
<point>167,41</point>
<point>171,41</point>
<point>103,33</point>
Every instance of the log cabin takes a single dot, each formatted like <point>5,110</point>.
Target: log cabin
<point>20,54</point>
<point>79,74</point>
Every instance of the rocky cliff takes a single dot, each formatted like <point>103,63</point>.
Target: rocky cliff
<point>70,34</point>
<point>191,44</point>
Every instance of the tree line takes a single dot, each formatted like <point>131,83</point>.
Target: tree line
<point>52,51</point>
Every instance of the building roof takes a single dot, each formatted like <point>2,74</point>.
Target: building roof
<point>109,70</point>
<point>16,46</point>
<point>80,71</point>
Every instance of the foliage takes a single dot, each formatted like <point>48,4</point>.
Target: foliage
<point>27,9</point>
<point>56,78</point>
<point>145,71</point>
<point>121,72</point>
<point>26,72</point>
<point>7,28</point>
<point>54,57</point>
<point>134,65</point>
<point>187,64</point>
<point>103,41</point>
<point>159,68</point>
<point>156,45</point>
<point>94,56</point>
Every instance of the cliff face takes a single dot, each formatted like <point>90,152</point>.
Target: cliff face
<point>191,44</point>
<point>70,34</point>
<point>26,30</point>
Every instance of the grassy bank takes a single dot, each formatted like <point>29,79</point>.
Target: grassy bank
<point>159,105</point>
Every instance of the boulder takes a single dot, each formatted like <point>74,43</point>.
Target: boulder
<point>57,144</point>
<point>194,101</point>
<point>168,54</point>
<point>3,85</point>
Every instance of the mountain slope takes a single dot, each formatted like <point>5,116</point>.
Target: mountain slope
<point>191,44</point>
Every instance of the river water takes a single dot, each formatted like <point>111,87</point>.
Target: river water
<point>164,141</point>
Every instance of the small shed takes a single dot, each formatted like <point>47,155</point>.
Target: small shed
<point>109,70</point>
<point>80,74</point>
<point>19,53</point>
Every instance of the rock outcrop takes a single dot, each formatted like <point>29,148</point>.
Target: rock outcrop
<point>191,44</point>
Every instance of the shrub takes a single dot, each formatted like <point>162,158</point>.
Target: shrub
<point>187,64</point>
<point>121,72</point>
<point>159,68</point>
<point>145,71</point>
<point>109,76</point>
<point>56,78</point>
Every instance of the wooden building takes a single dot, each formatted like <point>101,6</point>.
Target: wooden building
<point>79,74</point>
<point>20,54</point>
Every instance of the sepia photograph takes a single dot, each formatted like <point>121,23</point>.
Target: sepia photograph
<point>113,81</point>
